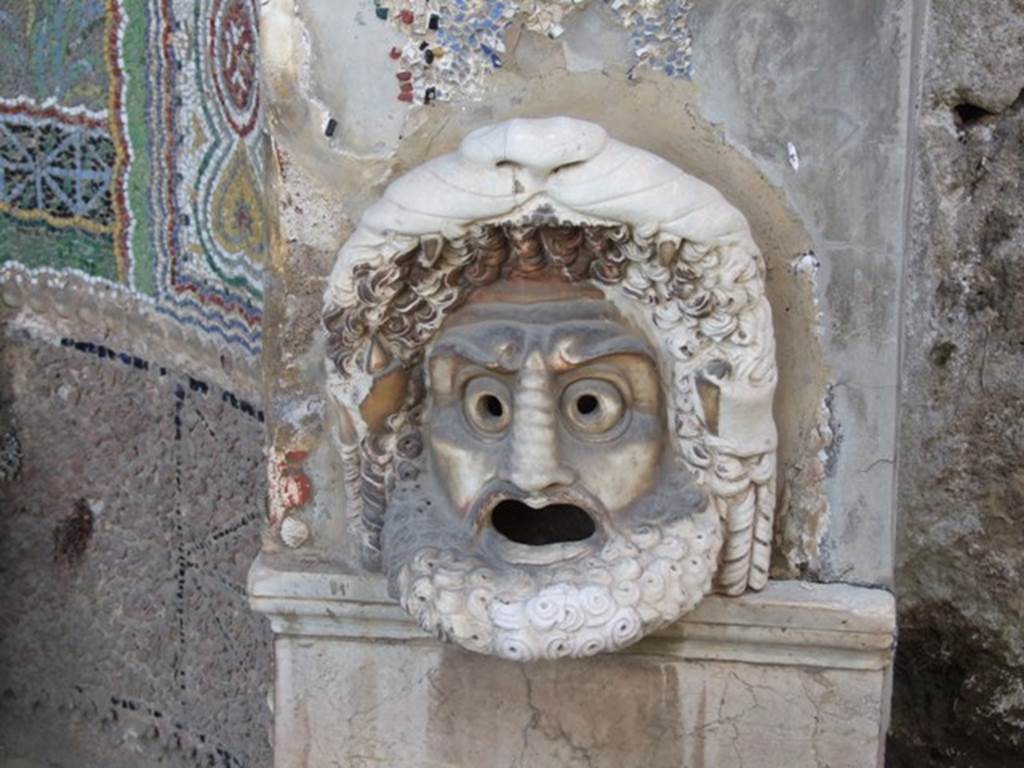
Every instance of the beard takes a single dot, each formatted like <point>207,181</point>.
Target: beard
<point>646,573</point>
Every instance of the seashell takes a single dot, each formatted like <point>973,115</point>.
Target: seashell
<point>672,548</point>
<point>447,578</point>
<point>426,559</point>
<point>478,603</point>
<point>472,634</point>
<point>449,603</point>
<point>617,549</point>
<point>645,536</point>
<point>294,532</point>
<point>652,586</point>
<point>626,593</point>
<point>694,566</point>
<point>649,614</point>
<point>481,577</point>
<point>507,615</point>
<point>422,590</point>
<point>627,570</point>
<point>517,586</point>
<point>572,617</point>
<point>557,646</point>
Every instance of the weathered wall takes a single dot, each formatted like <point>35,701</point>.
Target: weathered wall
<point>960,673</point>
<point>131,471</point>
<point>130,505</point>
<point>795,111</point>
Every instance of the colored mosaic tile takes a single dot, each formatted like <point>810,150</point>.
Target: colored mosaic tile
<point>55,49</point>
<point>171,208</point>
<point>208,220</point>
<point>36,244</point>
<point>453,45</point>
<point>64,166</point>
<point>659,33</point>
<point>57,167</point>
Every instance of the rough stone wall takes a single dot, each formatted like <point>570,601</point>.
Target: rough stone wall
<point>131,497</point>
<point>959,683</point>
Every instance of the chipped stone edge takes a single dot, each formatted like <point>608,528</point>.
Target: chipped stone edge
<point>790,623</point>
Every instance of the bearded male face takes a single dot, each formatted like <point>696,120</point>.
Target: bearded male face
<point>547,513</point>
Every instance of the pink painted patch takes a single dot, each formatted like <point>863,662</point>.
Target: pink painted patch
<point>289,486</point>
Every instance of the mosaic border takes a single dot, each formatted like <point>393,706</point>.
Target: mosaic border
<point>55,304</point>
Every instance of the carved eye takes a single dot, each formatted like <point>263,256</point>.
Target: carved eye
<point>488,405</point>
<point>592,406</point>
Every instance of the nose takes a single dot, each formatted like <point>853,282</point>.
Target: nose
<point>536,465</point>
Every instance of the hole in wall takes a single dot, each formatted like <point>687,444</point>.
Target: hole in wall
<point>968,114</point>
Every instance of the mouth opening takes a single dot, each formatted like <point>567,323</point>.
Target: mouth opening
<point>551,524</point>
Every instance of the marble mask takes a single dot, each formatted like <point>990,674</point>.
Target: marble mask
<point>550,371</point>
<point>549,515</point>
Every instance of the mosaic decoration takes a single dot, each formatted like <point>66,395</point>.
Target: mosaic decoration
<point>130,152</point>
<point>63,169</point>
<point>56,166</point>
<point>60,180</point>
<point>453,44</point>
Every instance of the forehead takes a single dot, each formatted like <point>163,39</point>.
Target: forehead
<point>568,333</point>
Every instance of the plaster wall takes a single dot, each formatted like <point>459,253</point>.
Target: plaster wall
<point>130,508</point>
<point>426,706</point>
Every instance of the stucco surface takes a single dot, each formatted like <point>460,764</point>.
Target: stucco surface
<point>421,705</point>
<point>818,94</point>
<point>960,670</point>
<point>130,507</point>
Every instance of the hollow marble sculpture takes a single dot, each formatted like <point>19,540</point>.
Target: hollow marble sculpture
<point>552,365</point>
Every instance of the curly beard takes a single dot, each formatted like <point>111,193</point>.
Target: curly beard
<point>642,578</point>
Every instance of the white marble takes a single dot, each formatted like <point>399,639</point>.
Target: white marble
<point>666,261</point>
<point>795,675</point>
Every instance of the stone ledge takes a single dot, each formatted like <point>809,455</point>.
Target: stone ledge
<point>833,626</point>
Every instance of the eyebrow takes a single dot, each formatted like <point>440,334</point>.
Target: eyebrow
<point>582,343</point>
<point>467,343</point>
<point>577,343</point>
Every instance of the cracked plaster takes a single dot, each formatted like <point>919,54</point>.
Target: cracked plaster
<point>654,712</point>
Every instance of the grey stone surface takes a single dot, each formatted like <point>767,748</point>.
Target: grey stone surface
<point>422,705</point>
<point>125,535</point>
<point>960,669</point>
<point>817,93</point>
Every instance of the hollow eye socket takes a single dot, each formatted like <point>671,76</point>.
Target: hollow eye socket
<point>488,405</point>
<point>592,406</point>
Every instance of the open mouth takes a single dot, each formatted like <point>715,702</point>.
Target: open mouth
<point>537,527</point>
